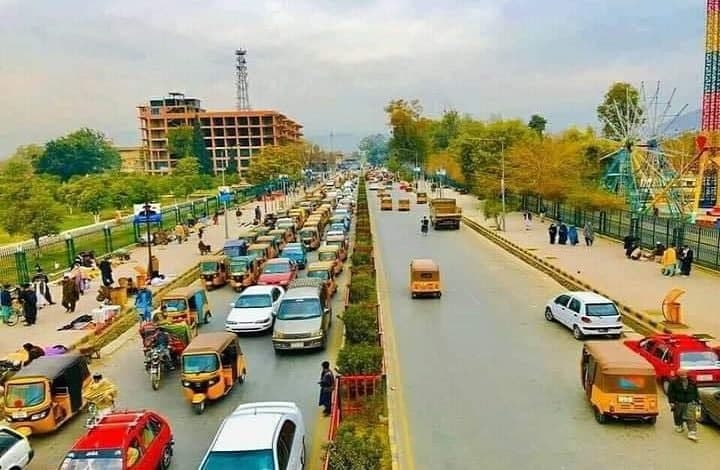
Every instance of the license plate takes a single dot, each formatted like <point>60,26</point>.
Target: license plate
<point>704,378</point>
<point>19,414</point>
<point>297,345</point>
<point>603,330</point>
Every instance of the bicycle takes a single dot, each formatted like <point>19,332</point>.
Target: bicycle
<point>16,314</point>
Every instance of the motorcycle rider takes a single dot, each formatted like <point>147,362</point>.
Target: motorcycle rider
<point>101,393</point>
<point>162,343</point>
<point>424,223</point>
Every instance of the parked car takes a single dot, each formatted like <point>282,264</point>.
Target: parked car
<point>278,271</point>
<point>668,353</point>
<point>141,440</point>
<point>269,435</point>
<point>709,405</point>
<point>585,313</point>
<point>15,450</point>
<point>254,309</point>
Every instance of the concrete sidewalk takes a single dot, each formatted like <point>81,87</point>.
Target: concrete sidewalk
<point>604,266</point>
<point>174,260</point>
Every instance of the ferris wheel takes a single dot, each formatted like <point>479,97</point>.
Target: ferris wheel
<point>648,174</point>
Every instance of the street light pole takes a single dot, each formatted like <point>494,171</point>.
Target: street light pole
<point>224,198</point>
<point>147,208</point>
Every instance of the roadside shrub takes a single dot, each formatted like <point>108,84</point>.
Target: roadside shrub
<point>361,259</point>
<point>355,449</point>
<point>360,359</point>
<point>362,289</point>
<point>361,324</point>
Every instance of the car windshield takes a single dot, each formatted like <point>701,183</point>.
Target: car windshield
<point>259,252</point>
<point>319,275</point>
<point>276,268</point>
<point>247,460</point>
<point>327,256</point>
<point>199,363</point>
<point>299,309</point>
<point>174,305</point>
<point>601,310</point>
<point>253,301</point>
<point>24,395</point>
<point>238,267</point>
<point>93,460</point>
<point>337,243</point>
<point>696,359</point>
<point>337,228</point>
<point>307,233</point>
<point>208,266</point>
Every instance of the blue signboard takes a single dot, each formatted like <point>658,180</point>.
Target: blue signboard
<point>143,215</point>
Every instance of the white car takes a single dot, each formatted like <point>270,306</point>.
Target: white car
<point>259,436</point>
<point>15,450</point>
<point>335,233</point>
<point>586,314</point>
<point>254,310</point>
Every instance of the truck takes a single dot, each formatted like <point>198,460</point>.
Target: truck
<point>444,212</point>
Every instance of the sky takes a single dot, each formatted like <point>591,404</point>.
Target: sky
<point>333,64</point>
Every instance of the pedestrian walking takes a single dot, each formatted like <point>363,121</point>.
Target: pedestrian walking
<point>669,261</point>
<point>573,235</point>
<point>106,272</point>
<point>143,303</point>
<point>29,303</point>
<point>179,233</point>
<point>5,302</point>
<point>552,232</point>
<point>258,213</point>
<point>527,218</point>
<point>216,216</point>
<point>562,234</point>
<point>588,233</point>
<point>201,230</point>
<point>70,293</point>
<point>686,259</point>
<point>542,214</point>
<point>42,286</point>
<point>327,385</point>
<point>684,400</point>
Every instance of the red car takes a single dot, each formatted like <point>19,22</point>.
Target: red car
<point>279,272</point>
<point>137,440</point>
<point>668,353</point>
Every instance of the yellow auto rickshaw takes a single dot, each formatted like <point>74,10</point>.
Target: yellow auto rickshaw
<point>310,237</point>
<point>248,236</point>
<point>618,382</point>
<point>44,395</point>
<point>421,198</point>
<point>214,271</point>
<point>211,366</point>
<point>261,230</point>
<point>331,253</point>
<point>403,204</point>
<point>425,278</point>
<point>184,304</point>
<point>324,271</point>
<point>261,251</point>
<point>386,204</point>
<point>275,244</point>
<point>285,234</point>
<point>244,271</point>
<point>340,242</point>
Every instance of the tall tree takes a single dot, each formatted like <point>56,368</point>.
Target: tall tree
<point>446,130</point>
<point>94,197</point>
<point>82,152</point>
<point>180,142</point>
<point>537,123</point>
<point>186,177</point>
<point>410,138</point>
<point>275,161</point>
<point>375,148</point>
<point>200,149</point>
<point>619,107</point>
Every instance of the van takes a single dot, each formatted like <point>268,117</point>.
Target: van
<point>303,318</point>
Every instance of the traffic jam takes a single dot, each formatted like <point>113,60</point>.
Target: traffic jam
<point>279,291</point>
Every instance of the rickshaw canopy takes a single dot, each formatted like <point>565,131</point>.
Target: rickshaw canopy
<point>210,342</point>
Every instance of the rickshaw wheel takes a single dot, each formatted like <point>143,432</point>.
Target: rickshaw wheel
<point>599,417</point>
<point>241,378</point>
<point>207,318</point>
<point>651,420</point>
<point>199,408</point>
<point>413,295</point>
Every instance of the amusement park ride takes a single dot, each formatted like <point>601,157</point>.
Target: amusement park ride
<point>654,177</point>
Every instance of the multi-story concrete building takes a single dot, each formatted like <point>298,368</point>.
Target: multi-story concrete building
<point>132,159</point>
<point>228,135</point>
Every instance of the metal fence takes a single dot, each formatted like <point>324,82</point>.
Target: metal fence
<point>56,253</point>
<point>704,241</point>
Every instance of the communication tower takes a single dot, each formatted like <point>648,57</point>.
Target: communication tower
<point>243,99</point>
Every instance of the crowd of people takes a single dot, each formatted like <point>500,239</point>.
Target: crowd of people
<point>564,234</point>
<point>673,260</point>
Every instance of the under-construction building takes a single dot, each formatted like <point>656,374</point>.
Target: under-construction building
<point>229,135</point>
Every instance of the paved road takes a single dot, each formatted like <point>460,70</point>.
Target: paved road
<point>487,382</point>
<point>287,377</point>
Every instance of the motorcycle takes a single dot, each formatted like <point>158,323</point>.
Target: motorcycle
<point>95,413</point>
<point>155,362</point>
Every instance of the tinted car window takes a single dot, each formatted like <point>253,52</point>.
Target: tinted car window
<point>562,300</point>
<point>574,305</point>
<point>601,310</point>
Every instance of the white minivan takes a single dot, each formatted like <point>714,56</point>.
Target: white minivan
<point>259,436</point>
<point>302,320</point>
<point>586,314</point>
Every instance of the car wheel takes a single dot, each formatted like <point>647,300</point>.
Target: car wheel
<point>704,418</point>
<point>242,377</point>
<point>599,417</point>
<point>548,314</point>
<point>166,458</point>
<point>577,333</point>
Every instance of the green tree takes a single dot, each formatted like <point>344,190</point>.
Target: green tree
<point>82,152</point>
<point>200,150</point>
<point>410,131</point>
<point>446,130</point>
<point>619,105</point>
<point>186,177</point>
<point>537,123</point>
<point>26,153</point>
<point>180,142</point>
<point>274,161</point>
<point>375,148</point>
<point>95,196</point>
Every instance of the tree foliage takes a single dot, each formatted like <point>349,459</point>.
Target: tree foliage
<point>180,142</point>
<point>410,131</point>
<point>619,104</point>
<point>375,148</point>
<point>82,152</point>
<point>537,123</point>
<point>200,151</point>
<point>276,160</point>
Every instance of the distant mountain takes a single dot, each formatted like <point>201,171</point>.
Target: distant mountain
<point>346,142</point>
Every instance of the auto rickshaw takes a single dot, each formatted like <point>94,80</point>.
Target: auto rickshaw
<point>331,253</point>
<point>288,225</point>
<point>214,271</point>
<point>260,231</point>
<point>44,395</point>
<point>618,382</point>
<point>248,236</point>
<point>324,271</point>
<point>424,278</point>
<point>274,243</point>
<point>234,248</point>
<point>299,215</point>
<point>386,204</point>
<point>284,234</point>
<point>261,251</point>
<point>310,236</point>
<point>184,304</point>
<point>403,204</point>
<point>382,194</point>
<point>244,271</point>
<point>211,366</point>
<point>421,198</point>
<point>339,241</point>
